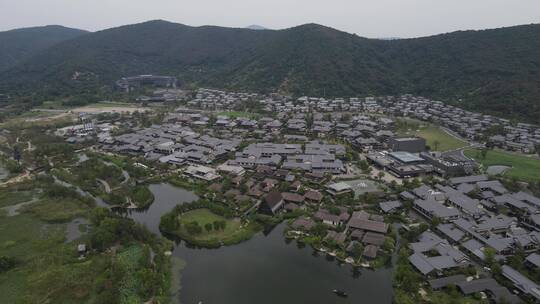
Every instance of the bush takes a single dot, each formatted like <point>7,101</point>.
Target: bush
<point>7,263</point>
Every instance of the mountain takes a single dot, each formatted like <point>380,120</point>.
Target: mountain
<point>20,44</point>
<point>494,71</point>
<point>256,27</point>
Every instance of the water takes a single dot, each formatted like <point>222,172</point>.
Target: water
<point>98,200</point>
<point>265,269</point>
<point>166,197</point>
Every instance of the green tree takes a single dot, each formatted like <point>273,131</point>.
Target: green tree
<point>436,145</point>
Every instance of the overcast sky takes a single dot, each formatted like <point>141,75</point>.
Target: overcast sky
<point>369,18</point>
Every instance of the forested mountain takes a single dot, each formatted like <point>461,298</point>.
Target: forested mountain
<point>18,45</point>
<point>496,71</point>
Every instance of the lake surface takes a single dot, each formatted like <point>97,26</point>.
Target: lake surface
<point>263,270</point>
<point>166,197</point>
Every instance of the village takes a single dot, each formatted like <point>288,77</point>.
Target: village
<point>354,181</point>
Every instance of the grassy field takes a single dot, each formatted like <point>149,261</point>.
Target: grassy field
<point>203,217</point>
<point>233,233</point>
<point>236,114</point>
<point>523,167</point>
<point>111,104</point>
<point>57,210</point>
<point>433,135</point>
<point>10,198</point>
<point>25,238</point>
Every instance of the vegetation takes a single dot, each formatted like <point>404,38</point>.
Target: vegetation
<point>522,167</point>
<point>9,196</point>
<point>19,45</point>
<point>436,138</point>
<point>202,227</point>
<point>484,73</point>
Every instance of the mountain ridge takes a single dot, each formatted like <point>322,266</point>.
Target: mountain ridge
<point>495,70</point>
<point>17,45</point>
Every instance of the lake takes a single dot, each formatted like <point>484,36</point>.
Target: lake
<point>265,269</point>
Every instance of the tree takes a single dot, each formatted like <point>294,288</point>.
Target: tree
<point>6,263</point>
<point>357,250</point>
<point>219,225</point>
<point>436,145</point>
<point>193,227</point>
<point>208,227</point>
<point>489,254</point>
<point>483,153</point>
<point>380,174</point>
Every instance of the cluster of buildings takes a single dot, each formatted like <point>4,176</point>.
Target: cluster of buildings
<point>498,132</point>
<point>129,83</point>
<point>287,158</point>
<point>172,144</point>
<point>474,215</point>
<point>313,157</point>
<point>219,100</point>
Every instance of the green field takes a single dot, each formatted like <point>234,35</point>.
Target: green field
<point>236,114</point>
<point>233,233</point>
<point>10,198</point>
<point>435,137</point>
<point>523,167</point>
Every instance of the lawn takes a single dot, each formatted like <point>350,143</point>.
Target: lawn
<point>111,104</point>
<point>205,216</point>
<point>433,135</point>
<point>236,114</point>
<point>233,233</point>
<point>57,210</point>
<point>523,167</point>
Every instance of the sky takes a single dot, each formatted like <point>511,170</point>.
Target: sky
<point>373,18</point>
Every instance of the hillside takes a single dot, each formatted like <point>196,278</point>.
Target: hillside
<point>495,71</point>
<point>20,44</point>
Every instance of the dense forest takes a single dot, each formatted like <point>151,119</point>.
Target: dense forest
<point>18,45</point>
<point>495,71</point>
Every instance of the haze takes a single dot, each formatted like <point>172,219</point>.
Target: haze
<point>376,19</point>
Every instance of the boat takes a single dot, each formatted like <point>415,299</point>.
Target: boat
<point>340,293</point>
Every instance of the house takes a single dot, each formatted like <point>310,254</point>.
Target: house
<point>372,238</point>
<point>390,207</point>
<point>337,237</point>
<point>303,223</point>
<point>367,225</point>
<point>272,203</point>
<point>521,282</point>
<point>408,144</point>
<point>328,218</point>
<point>201,172</point>
<point>370,252</point>
<point>533,260</point>
<point>233,170</point>
<point>431,208</point>
<point>313,196</point>
<point>292,198</point>
<point>338,189</point>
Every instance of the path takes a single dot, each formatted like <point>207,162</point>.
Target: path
<point>105,185</point>
<point>14,209</point>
